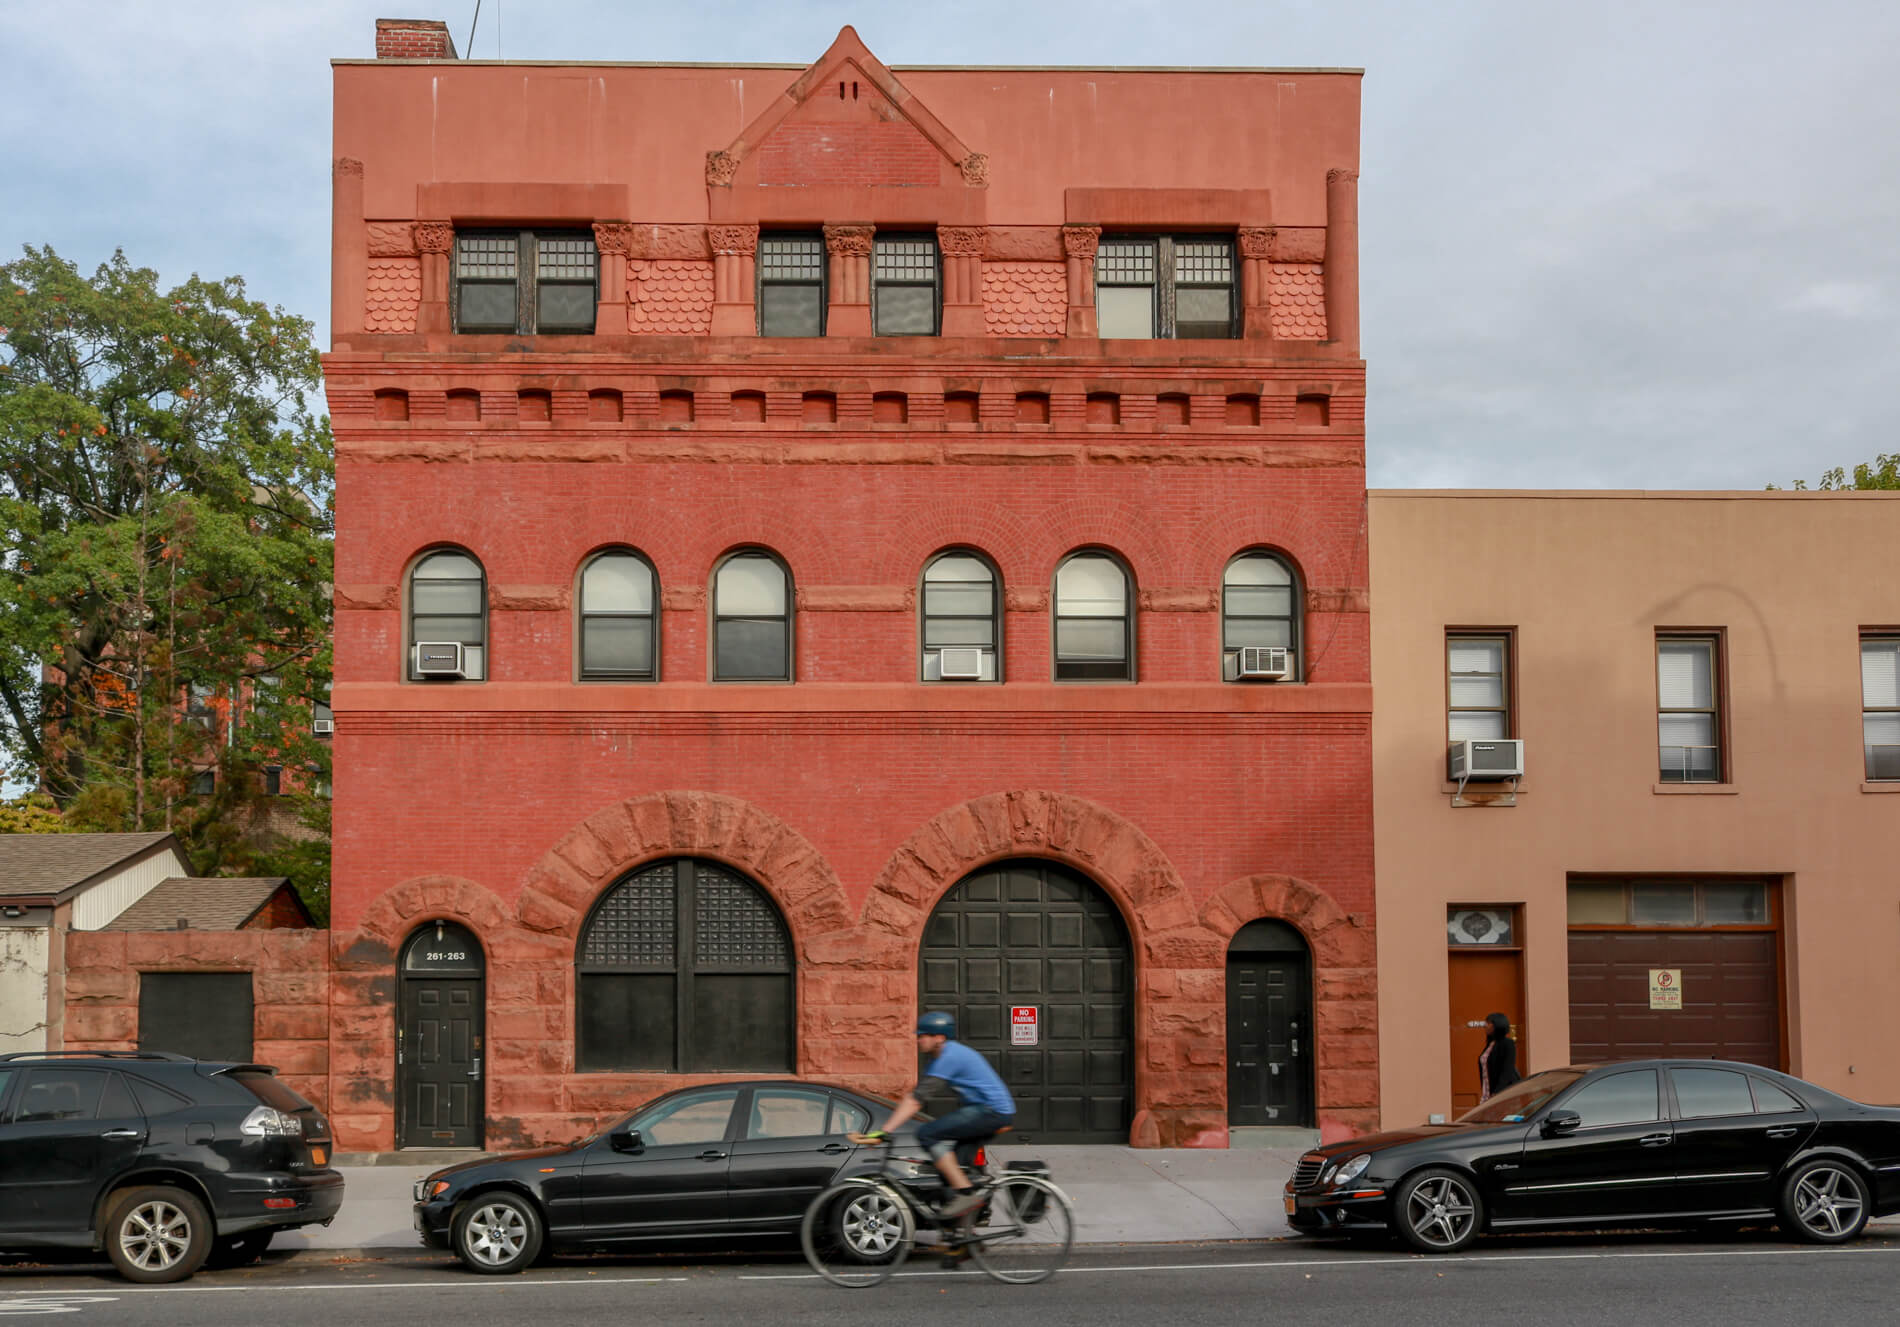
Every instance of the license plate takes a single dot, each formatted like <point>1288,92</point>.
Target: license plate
<point>319,1156</point>
<point>1292,1204</point>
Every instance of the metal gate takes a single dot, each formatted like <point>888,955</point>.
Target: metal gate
<point>1034,962</point>
<point>439,1039</point>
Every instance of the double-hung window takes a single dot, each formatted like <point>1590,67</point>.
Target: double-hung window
<point>960,619</point>
<point>618,621</point>
<point>1880,705</point>
<point>1171,287</point>
<point>791,285</point>
<point>1689,708</point>
<point>526,282</point>
<point>752,619</point>
<point>1477,686</point>
<point>1095,636</point>
<point>905,279</point>
<point>448,604</point>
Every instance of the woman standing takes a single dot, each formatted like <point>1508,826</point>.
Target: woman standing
<point>1497,1062</point>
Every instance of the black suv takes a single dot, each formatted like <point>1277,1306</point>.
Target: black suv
<point>160,1160</point>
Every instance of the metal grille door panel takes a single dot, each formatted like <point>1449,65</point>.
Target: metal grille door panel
<point>1032,934</point>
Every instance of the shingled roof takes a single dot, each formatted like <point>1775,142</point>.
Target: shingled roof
<point>37,865</point>
<point>209,903</point>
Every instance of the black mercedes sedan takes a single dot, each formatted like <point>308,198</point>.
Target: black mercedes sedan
<point>1642,1142</point>
<point>735,1160</point>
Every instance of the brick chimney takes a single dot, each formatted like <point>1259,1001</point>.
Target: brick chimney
<point>413,39</point>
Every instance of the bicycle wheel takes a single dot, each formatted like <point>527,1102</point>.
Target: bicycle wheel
<point>857,1233</point>
<point>1024,1232</point>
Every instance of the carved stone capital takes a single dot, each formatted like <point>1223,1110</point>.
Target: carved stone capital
<point>1081,241</point>
<point>435,236</point>
<point>733,240</point>
<point>348,166</point>
<point>1340,175</point>
<point>962,241</point>
<point>614,237</point>
<point>1256,242</point>
<point>720,168</point>
<point>392,239</point>
<point>976,170</point>
<point>849,241</point>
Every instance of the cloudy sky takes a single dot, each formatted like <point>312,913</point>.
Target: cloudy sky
<point>1605,244</point>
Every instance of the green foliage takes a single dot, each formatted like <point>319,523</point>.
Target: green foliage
<point>1882,472</point>
<point>165,533</point>
<point>34,813</point>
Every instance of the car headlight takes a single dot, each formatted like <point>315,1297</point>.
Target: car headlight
<point>1352,1169</point>
<point>430,1188</point>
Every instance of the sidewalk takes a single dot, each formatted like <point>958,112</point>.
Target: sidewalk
<point>1121,1195</point>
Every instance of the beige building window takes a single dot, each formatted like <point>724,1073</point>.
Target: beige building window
<point>1478,686</point>
<point>1689,711</point>
<point>1880,705</point>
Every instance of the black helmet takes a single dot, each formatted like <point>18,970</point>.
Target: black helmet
<point>936,1024</point>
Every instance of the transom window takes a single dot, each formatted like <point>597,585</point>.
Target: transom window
<point>1259,607</point>
<point>752,620</point>
<point>791,285</point>
<point>1094,619</point>
<point>960,620</point>
<point>904,282</point>
<point>1177,287</point>
<point>684,966</point>
<point>1689,709</point>
<point>448,603</point>
<point>1477,686</point>
<point>1663,903</point>
<point>619,628</point>
<point>526,282</point>
<point>1880,705</point>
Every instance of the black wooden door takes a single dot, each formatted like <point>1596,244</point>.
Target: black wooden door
<point>440,1067</point>
<point>1269,1041</point>
<point>1028,935</point>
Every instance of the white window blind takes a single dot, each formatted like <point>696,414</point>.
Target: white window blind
<point>1685,674</point>
<point>1880,673</point>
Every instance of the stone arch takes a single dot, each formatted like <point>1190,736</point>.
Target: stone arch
<point>401,908</point>
<point>560,889</point>
<point>1345,990</point>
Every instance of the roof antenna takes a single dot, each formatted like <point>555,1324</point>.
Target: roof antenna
<point>471,28</point>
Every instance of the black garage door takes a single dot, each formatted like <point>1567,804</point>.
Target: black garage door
<point>206,1015</point>
<point>1031,936</point>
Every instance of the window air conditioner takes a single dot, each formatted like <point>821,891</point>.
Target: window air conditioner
<point>1267,663</point>
<point>963,664</point>
<point>323,727</point>
<point>440,659</point>
<point>1478,761</point>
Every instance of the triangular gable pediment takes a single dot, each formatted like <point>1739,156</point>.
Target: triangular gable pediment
<point>847,120</point>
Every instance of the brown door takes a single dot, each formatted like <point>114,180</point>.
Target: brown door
<point>1482,983</point>
<point>1730,996</point>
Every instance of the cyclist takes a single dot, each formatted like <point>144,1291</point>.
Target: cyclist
<point>986,1107</point>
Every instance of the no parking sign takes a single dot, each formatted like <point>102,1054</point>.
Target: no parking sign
<point>1022,1025</point>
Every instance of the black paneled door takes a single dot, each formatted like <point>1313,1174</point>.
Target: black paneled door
<point>1034,962</point>
<point>439,1048</point>
<point>1269,1046</point>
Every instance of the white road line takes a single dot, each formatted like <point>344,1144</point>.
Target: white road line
<point>381,1285</point>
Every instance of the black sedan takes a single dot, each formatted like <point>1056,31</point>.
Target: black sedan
<point>736,1160</point>
<point>1644,1142</point>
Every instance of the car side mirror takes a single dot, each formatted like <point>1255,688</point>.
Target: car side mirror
<point>1560,1122</point>
<point>625,1140</point>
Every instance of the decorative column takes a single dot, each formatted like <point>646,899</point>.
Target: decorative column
<point>434,241</point>
<point>962,249</point>
<point>1079,244</point>
<point>1256,245</point>
<point>613,240</point>
<point>735,265</point>
<point>1342,258</point>
<point>850,311</point>
<point>349,269</point>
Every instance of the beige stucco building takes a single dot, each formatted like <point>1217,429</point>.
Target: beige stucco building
<point>1700,857</point>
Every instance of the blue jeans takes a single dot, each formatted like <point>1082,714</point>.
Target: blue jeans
<point>962,1125</point>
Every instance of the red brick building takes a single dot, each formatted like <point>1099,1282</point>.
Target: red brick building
<point>797,532</point>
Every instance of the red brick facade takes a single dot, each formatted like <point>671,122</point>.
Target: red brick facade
<point>857,795</point>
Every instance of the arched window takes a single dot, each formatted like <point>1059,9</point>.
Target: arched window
<point>684,966</point>
<point>752,620</point>
<point>1259,610</point>
<point>1095,619</point>
<point>619,628</point>
<point>962,642</point>
<point>448,608</point>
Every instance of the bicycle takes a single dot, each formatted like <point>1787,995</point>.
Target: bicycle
<point>858,1232</point>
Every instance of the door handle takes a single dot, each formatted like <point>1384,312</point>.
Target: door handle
<point>711,1155</point>
<point>120,1133</point>
<point>832,1149</point>
<point>475,1069</point>
<point>1785,1131</point>
<point>1656,1140</point>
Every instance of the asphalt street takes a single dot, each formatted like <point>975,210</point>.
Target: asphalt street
<point>1552,1281</point>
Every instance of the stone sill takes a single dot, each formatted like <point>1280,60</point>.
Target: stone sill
<point>1695,790</point>
<point>1883,786</point>
<point>1489,788</point>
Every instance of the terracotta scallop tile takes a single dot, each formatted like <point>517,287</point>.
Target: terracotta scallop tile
<point>1025,298</point>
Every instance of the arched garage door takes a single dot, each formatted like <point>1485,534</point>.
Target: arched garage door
<point>1029,935</point>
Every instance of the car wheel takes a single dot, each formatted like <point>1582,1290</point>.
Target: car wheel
<point>240,1250</point>
<point>496,1233</point>
<point>1438,1211</point>
<point>1824,1202</point>
<point>157,1234</point>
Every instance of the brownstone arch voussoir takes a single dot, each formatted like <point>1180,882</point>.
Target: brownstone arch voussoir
<point>400,909</point>
<point>560,889</point>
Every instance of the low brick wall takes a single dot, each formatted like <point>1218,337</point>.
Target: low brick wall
<point>290,991</point>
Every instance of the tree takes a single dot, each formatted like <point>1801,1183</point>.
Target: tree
<point>165,553</point>
<point>32,814</point>
<point>1882,472</point>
